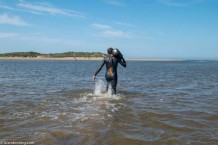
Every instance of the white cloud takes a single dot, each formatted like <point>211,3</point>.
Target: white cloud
<point>47,40</point>
<point>8,35</point>
<point>179,3</point>
<point>46,8</point>
<point>36,42</point>
<point>172,2</point>
<point>115,33</point>
<point>17,9</point>
<point>12,20</point>
<point>6,7</point>
<point>115,3</point>
<point>124,24</point>
<point>101,26</point>
<point>105,30</point>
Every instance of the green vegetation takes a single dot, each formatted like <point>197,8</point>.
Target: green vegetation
<point>53,55</point>
<point>20,54</point>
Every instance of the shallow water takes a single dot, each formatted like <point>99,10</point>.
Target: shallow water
<point>56,102</point>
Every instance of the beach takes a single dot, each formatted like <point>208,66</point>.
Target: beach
<point>50,58</point>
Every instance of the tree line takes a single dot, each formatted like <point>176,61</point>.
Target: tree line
<point>53,55</point>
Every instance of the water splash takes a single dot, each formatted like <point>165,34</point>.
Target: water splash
<point>100,90</point>
<point>100,87</point>
<point>109,92</point>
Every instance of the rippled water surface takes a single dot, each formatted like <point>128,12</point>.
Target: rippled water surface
<point>56,102</point>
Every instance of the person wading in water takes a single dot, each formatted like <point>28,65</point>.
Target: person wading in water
<point>114,57</point>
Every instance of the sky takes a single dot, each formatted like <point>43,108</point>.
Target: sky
<point>154,29</point>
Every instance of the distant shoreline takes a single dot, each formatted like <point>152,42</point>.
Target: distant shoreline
<point>51,58</point>
<point>78,58</point>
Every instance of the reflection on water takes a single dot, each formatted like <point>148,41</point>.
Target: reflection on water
<point>55,102</point>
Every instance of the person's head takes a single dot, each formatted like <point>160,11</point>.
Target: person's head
<point>110,50</point>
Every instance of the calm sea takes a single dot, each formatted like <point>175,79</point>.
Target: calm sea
<point>161,103</point>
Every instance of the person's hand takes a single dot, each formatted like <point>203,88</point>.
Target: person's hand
<point>93,78</point>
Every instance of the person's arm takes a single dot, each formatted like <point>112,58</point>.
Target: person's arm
<point>122,62</point>
<point>99,69</point>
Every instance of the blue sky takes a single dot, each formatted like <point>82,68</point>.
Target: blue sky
<point>174,29</point>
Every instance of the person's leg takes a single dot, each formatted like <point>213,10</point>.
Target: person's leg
<point>114,86</point>
<point>108,79</point>
<point>107,86</point>
<point>112,81</point>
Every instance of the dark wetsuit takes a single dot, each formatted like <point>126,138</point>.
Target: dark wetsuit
<point>111,71</point>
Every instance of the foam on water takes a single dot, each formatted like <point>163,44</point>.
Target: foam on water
<point>100,91</point>
<point>74,107</point>
<point>100,87</point>
<point>99,104</point>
